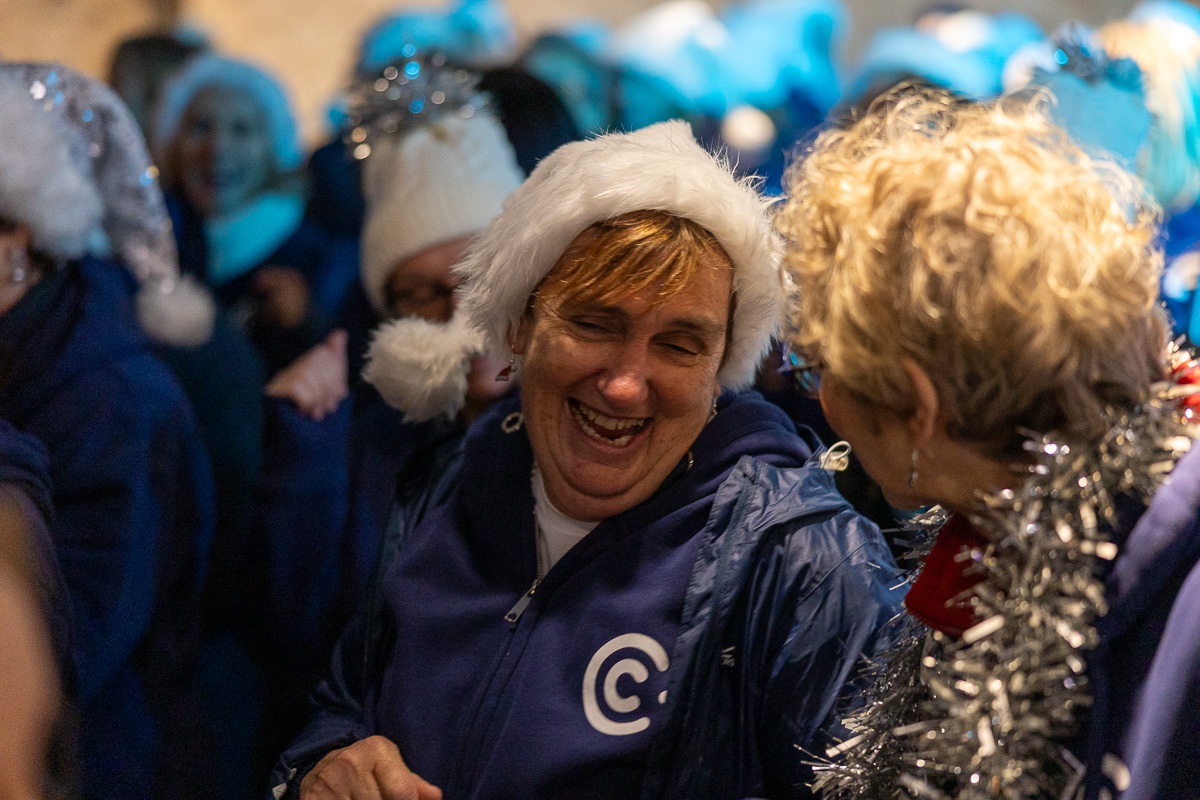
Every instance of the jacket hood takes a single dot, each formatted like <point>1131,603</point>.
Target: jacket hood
<point>89,322</point>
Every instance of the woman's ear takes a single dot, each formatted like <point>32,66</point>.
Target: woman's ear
<point>518,340</point>
<point>924,420</point>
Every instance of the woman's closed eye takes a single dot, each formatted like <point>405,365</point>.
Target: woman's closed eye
<point>685,346</point>
<point>592,326</point>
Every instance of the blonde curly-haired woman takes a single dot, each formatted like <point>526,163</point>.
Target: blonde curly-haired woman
<point>978,298</point>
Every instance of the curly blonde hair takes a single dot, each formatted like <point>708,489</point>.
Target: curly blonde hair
<point>977,240</point>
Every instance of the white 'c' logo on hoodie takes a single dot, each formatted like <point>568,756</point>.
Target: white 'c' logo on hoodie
<point>633,667</point>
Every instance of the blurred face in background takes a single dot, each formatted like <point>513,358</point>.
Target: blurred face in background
<point>222,155</point>
<point>423,285</point>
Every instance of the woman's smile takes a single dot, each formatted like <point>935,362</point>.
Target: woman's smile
<point>616,432</point>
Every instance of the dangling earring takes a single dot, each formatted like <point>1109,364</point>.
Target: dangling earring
<point>19,261</point>
<point>912,474</point>
<point>507,372</point>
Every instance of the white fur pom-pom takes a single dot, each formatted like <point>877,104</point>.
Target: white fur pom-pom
<point>178,312</point>
<point>421,367</point>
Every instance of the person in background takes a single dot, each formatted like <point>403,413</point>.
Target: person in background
<point>1132,89</point>
<point>535,120</point>
<point>229,150</point>
<point>82,221</point>
<point>948,46</point>
<point>230,154</point>
<point>626,581</point>
<point>141,64</point>
<point>434,180</point>
<point>978,299</point>
<point>1168,55</point>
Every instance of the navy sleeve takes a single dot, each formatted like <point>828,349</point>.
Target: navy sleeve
<point>339,719</point>
<point>834,623</point>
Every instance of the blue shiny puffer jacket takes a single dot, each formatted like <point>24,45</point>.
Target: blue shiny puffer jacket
<point>762,588</point>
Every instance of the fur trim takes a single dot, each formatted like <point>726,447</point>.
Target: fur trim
<point>421,367</point>
<point>177,313</point>
<point>42,183</point>
<point>207,71</point>
<point>656,168</point>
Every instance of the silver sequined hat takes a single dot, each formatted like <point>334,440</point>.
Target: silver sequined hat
<point>74,169</point>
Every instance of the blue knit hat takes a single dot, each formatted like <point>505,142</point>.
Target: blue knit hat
<point>213,71</point>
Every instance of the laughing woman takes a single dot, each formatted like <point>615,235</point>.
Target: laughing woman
<point>978,298</point>
<point>630,581</point>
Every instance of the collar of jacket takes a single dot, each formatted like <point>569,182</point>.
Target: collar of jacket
<point>498,501</point>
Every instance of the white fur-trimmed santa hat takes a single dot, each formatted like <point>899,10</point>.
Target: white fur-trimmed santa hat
<point>658,168</point>
<point>74,169</point>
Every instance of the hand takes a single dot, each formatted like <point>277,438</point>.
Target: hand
<point>371,768</point>
<point>316,381</point>
<point>283,296</point>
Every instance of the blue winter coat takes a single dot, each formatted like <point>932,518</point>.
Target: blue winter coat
<point>133,510</point>
<point>1144,728</point>
<point>743,596</point>
<point>322,505</point>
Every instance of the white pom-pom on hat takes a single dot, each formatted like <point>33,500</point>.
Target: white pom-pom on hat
<point>421,367</point>
<point>179,313</point>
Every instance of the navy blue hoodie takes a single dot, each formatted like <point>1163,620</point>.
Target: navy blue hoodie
<point>133,508</point>
<point>682,648</point>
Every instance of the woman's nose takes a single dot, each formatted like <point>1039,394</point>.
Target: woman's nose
<point>626,381</point>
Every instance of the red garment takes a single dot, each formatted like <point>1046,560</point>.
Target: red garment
<point>937,596</point>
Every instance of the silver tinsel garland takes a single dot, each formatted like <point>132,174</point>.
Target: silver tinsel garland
<point>986,715</point>
<point>414,91</point>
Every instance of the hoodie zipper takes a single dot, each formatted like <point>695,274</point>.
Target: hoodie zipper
<point>514,613</point>
<point>469,764</point>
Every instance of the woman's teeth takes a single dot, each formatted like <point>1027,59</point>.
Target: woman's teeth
<point>610,430</point>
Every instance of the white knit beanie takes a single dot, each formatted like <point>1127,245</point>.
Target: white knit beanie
<point>433,184</point>
<point>658,168</point>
